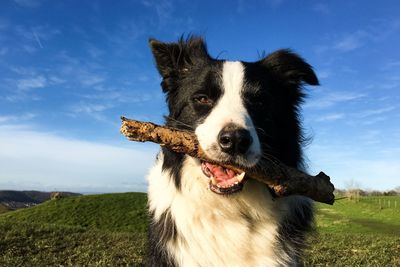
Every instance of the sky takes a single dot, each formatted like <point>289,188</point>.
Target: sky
<point>70,69</point>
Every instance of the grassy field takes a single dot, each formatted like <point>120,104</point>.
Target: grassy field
<point>3,208</point>
<point>109,230</point>
<point>362,233</point>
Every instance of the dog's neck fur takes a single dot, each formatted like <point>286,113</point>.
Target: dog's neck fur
<point>214,230</point>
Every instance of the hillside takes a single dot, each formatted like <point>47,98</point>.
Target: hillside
<point>110,230</point>
<point>3,208</point>
<point>93,230</point>
<point>111,212</point>
<point>12,200</point>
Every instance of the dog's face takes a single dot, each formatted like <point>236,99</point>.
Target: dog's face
<point>240,111</point>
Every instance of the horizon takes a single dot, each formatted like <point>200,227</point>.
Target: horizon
<point>69,70</point>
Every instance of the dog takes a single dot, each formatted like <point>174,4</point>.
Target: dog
<point>203,214</point>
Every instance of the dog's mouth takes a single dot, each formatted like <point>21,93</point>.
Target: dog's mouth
<point>223,181</point>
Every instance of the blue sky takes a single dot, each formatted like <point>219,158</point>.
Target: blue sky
<point>69,69</point>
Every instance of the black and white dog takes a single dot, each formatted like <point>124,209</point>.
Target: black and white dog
<point>203,214</point>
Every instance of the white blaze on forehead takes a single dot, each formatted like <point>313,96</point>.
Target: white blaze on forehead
<point>232,79</point>
<point>229,109</point>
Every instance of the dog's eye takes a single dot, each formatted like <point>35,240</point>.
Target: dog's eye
<point>203,99</point>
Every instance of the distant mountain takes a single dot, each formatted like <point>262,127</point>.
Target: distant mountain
<point>12,200</point>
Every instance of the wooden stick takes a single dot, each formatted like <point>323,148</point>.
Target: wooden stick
<point>283,180</point>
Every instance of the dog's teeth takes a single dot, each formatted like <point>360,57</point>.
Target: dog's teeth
<point>213,180</point>
<point>241,176</point>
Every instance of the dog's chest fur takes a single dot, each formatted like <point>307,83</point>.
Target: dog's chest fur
<point>213,230</point>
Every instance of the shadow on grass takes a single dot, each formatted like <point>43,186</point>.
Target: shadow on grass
<point>374,225</point>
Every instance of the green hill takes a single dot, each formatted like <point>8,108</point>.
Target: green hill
<point>110,230</point>
<point>3,208</point>
<point>92,230</point>
<point>13,200</point>
<point>124,212</point>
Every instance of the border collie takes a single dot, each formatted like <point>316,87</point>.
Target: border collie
<point>203,214</point>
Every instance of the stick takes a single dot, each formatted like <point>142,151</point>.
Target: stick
<point>283,180</point>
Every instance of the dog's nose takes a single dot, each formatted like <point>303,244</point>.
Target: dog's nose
<point>234,140</point>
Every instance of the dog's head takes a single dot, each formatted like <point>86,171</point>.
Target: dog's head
<point>240,111</point>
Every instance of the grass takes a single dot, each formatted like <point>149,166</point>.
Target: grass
<point>27,244</point>
<point>3,208</point>
<point>125,212</point>
<point>360,233</point>
<point>365,216</point>
<point>109,230</point>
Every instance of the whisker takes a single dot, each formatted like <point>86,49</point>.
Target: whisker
<point>261,131</point>
<point>179,122</point>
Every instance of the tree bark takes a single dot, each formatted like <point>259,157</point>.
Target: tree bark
<point>281,179</point>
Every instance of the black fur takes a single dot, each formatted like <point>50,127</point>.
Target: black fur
<point>294,228</point>
<point>160,232</point>
<point>272,97</point>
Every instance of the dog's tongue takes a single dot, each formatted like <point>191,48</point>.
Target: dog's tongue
<point>220,173</point>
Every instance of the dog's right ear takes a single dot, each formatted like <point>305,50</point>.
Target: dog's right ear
<point>166,56</point>
<point>174,59</point>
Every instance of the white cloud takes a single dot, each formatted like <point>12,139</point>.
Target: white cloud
<point>330,117</point>
<point>350,42</point>
<point>94,51</point>
<point>32,158</point>
<point>30,49</point>
<point>371,136</point>
<point>323,74</point>
<point>16,118</point>
<point>372,112</point>
<point>91,79</point>
<point>37,39</point>
<point>85,73</point>
<point>53,79</point>
<point>374,120</point>
<point>32,83</point>
<point>90,109</point>
<point>30,38</point>
<point>332,99</point>
<point>124,96</point>
<point>163,8</point>
<point>392,64</point>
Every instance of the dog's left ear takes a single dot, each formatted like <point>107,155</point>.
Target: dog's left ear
<point>290,67</point>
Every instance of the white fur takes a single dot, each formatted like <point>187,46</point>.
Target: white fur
<point>214,230</point>
<point>229,109</point>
